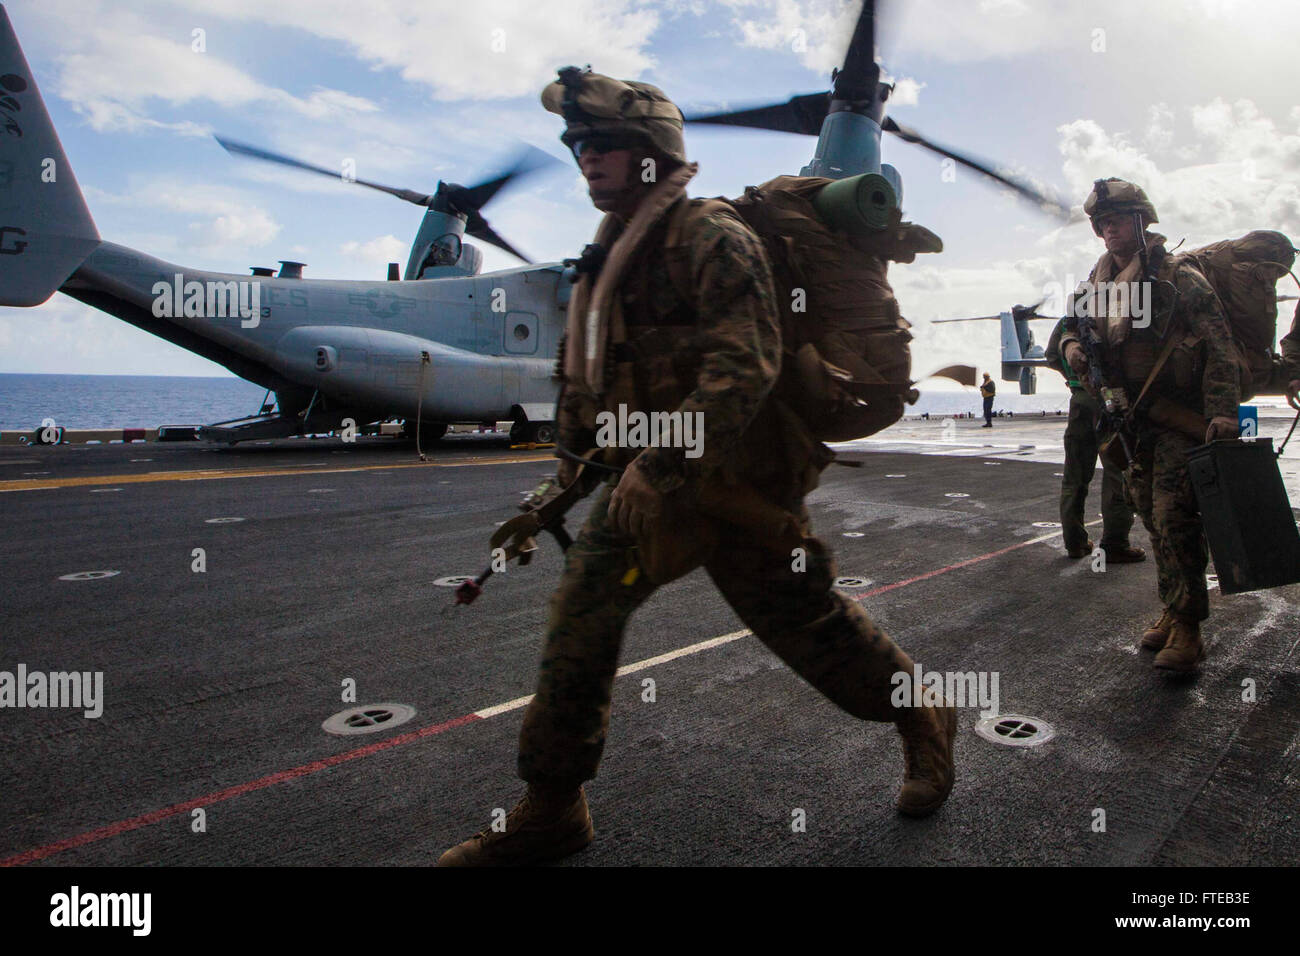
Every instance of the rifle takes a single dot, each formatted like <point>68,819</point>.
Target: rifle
<point>1115,411</point>
<point>543,510</point>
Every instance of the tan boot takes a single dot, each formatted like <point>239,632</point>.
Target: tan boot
<point>1082,552</point>
<point>1184,650</point>
<point>1157,635</point>
<point>928,735</point>
<point>544,826</point>
<point>1124,554</point>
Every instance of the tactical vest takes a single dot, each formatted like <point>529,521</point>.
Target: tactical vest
<point>1134,361</point>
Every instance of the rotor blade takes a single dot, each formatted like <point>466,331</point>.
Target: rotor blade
<point>530,161</point>
<point>243,149</point>
<point>857,80</point>
<point>478,227</point>
<point>961,374</point>
<point>997,318</point>
<point>911,136</point>
<point>800,114</point>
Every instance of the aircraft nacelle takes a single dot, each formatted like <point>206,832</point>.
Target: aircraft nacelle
<point>440,249</point>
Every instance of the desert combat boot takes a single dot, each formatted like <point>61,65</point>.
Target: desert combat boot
<point>1157,635</point>
<point>545,825</point>
<point>1184,650</point>
<point>928,734</point>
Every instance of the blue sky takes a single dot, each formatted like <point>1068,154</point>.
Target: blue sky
<point>1193,98</point>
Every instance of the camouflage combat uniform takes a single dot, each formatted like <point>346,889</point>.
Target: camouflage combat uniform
<point>718,355</point>
<point>1291,349</point>
<point>1081,464</point>
<point>1200,374</point>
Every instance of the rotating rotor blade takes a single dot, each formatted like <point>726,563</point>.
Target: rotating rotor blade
<point>911,136</point>
<point>478,227</point>
<point>961,374</point>
<point>973,318</point>
<point>805,113</point>
<point>800,114</point>
<point>531,160</point>
<point>468,200</point>
<point>237,148</point>
<point>1019,312</point>
<point>857,79</point>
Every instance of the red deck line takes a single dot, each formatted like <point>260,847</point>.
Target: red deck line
<point>261,783</point>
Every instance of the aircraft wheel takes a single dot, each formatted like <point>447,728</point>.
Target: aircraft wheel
<point>543,432</point>
<point>432,432</point>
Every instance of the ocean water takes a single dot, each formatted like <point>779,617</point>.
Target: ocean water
<point>123,401</point>
<point>147,401</point>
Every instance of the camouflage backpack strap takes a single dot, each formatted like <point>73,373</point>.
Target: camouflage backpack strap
<point>682,224</point>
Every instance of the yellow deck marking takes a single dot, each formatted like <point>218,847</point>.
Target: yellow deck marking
<point>39,484</point>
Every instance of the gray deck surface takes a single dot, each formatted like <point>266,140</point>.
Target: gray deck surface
<point>221,679</point>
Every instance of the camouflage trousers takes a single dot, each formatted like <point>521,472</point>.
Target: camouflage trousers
<point>1080,466</point>
<point>1161,492</point>
<point>823,636</point>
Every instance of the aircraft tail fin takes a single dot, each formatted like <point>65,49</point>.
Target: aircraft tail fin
<point>45,228</point>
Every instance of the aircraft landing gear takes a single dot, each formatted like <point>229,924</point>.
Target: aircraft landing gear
<point>430,432</point>
<point>543,433</point>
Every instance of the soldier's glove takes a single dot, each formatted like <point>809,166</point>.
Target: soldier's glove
<point>1220,428</point>
<point>1293,394</point>
<point>636,504</point>
<point>1077,359</point>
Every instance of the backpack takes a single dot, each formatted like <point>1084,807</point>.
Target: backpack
<point>1244,274</point>
<point>846,360</point>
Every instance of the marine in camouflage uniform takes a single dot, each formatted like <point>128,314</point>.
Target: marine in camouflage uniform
<point>718,355</point>
<point>1291,360</point>
<point>1200,376</point>
<point>1077,473</point>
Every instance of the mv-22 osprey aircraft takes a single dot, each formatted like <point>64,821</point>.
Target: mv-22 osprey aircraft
<point>443,344</point>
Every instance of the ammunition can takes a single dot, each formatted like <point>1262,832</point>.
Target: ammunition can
<point>1246,514</point>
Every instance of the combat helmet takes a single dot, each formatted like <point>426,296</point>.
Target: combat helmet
<point>1116,195</point>
<point>593,104</point>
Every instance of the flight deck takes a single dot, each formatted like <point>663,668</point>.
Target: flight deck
<point>328,568</point>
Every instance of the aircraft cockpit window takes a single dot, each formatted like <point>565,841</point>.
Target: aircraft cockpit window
<point>446,250</point>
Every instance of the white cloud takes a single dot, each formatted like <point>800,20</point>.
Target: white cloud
<point>1159,134</point>
<point>1245,182</point>
<point>997,29</point>
<point>470,51</point>
<point>164,67</point>
<point>816,31</point>
<point>219,220</point>
<point>380,251</point>
<point>907,92</point>
<point>1091,153</point>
